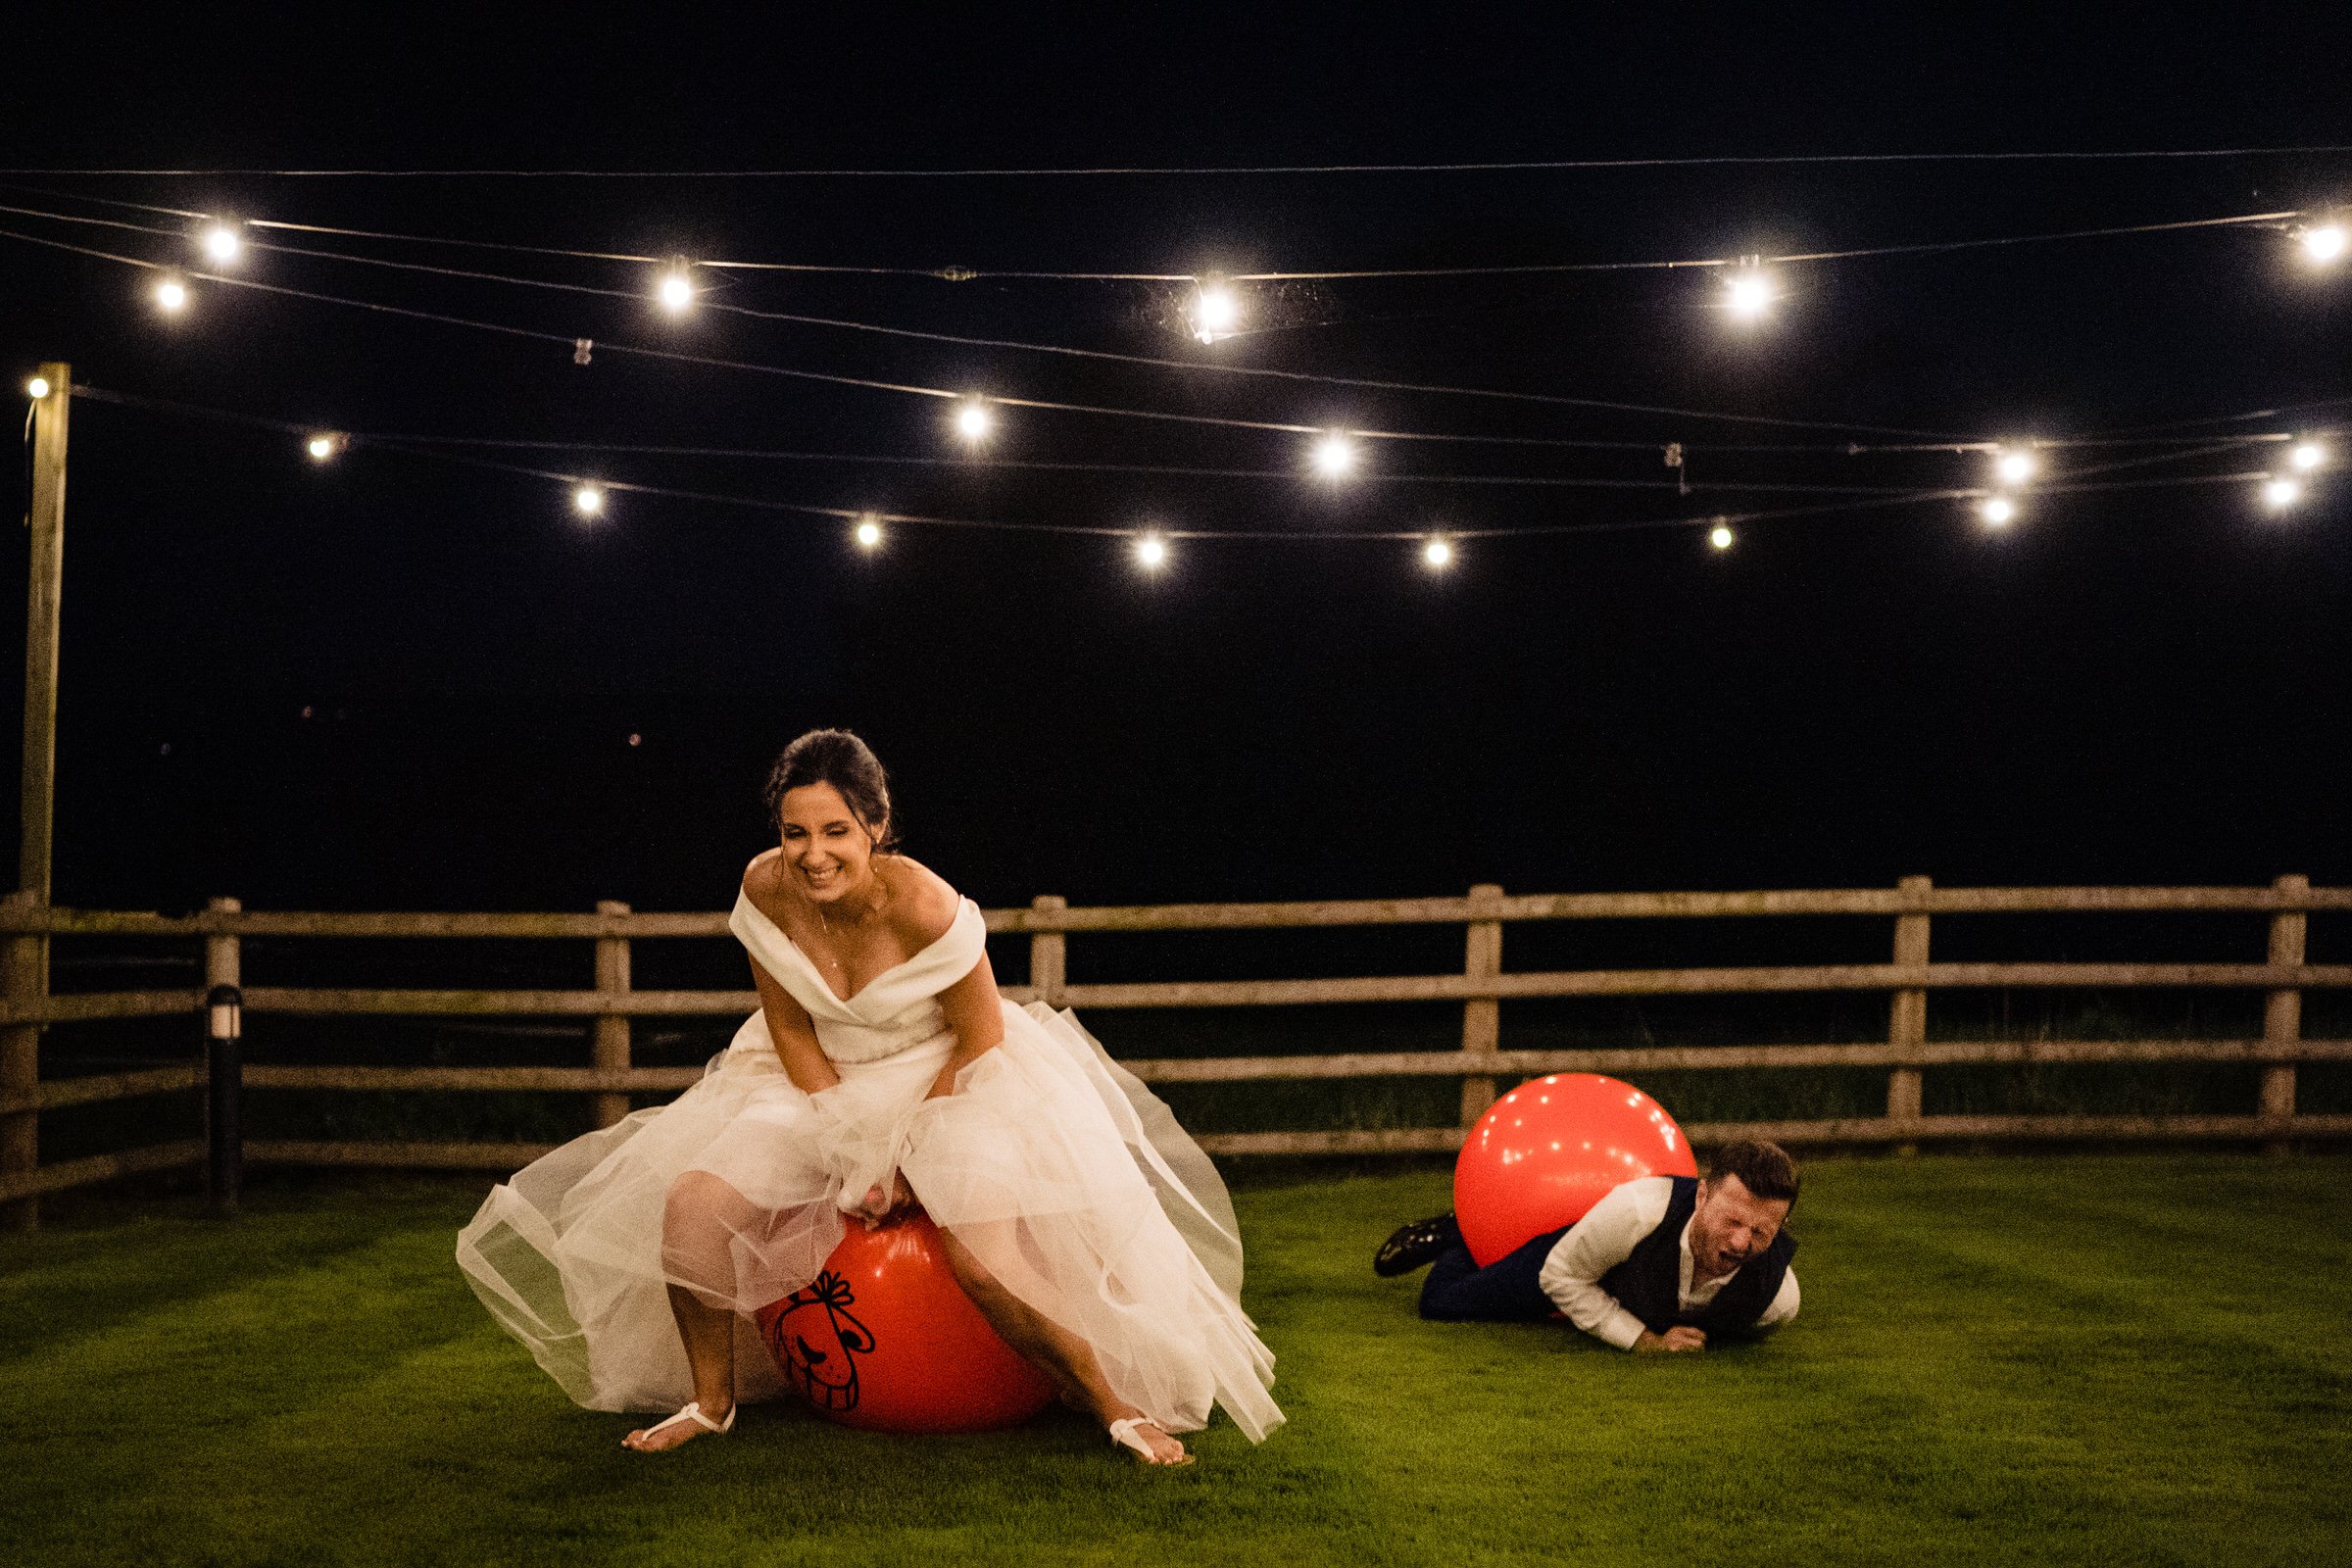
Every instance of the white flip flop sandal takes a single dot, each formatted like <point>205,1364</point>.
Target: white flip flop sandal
<point>694,1413</point>
<point>1122,1433</point>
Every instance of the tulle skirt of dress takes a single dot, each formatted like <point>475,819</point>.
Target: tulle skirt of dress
<point>1065,1176</point>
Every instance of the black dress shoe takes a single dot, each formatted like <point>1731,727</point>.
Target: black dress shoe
<point>1415,1245</point>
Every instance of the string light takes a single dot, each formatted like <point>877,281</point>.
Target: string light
<point>323,445</point>
<point>1749,264</point>
<point>2282,493</point>
<point>1998,512</point>
<point>2016,464</point>
<point>588,500</point>
<point>975,421</point>
<point>1334,456</point>
<point>1437,555</point>
<point>2308,455</point>
<point>223,245</point>
<point>1217,312</point>
<point>170,295</point>
<point>2323,243</point>
<point>1152,552</point>
<point>677,290</point>
<point>1720,536</point>
<point>868,533</point>
<point>37,388</point>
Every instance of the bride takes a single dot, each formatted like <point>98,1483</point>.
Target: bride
<point>881,1072</point>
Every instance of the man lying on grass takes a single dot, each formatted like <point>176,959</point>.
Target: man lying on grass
<point>1662,1263</point>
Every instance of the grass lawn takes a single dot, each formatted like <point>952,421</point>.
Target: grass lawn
<point>2113,1360</point>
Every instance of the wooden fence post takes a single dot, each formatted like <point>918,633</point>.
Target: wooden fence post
<point>224,955</point>
<point>611,1028</point>
<point>223,1113</point>
<point>21,979</point>
<point>1481,1016</point>
<point>2283,1009</point>
<point>1049,953</point>
<point>1907,1014</point>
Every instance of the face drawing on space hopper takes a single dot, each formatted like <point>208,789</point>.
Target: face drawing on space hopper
<point>817,1343</point>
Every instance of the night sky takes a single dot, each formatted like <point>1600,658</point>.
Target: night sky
<point>394,681</point>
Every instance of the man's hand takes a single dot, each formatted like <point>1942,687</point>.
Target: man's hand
<point>1681,1337</point>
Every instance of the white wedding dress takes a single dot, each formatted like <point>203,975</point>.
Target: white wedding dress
<point>1063,1175</point>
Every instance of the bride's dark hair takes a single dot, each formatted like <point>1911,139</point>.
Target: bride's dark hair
<point>840,758</point>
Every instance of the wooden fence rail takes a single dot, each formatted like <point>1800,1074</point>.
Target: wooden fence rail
<point>1480,988</point>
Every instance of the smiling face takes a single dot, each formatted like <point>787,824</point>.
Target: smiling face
<point>828,852</point>
<point>1732,1225</point>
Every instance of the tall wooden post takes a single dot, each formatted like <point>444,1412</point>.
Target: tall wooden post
<point>1907,1014</point>
<point>1481,1016</point>
<point>1049,953</point>
<point>611,1028</point>
<point>44,581</point>
<point>25,959</point>
<point>2282,1008</point>
<point>21,1066</point>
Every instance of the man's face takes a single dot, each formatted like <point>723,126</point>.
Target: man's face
<point>1732,1225</point>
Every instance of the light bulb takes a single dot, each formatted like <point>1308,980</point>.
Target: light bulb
<point>1334,456</point>
<point>676,291</point>
<point>2282,493</point>
<point>1998,511</point>
<point>1747,294</point>
<point>2325,243</point>
<point>170,296</point>
<point>37,388</point>
<point>2308,455</point>
<point>1152,552</point>
<point>323,445</point>
<point>974,421</point>
<point>588,500</point>
<point>1215,311</point>
<point>869,533</point>
<point>222,243</point>
<point>1720,537</point>
<point>2016,464</point>
<point>1438,553</point>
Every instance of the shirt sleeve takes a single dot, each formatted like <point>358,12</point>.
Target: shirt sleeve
<point>1596,1244</point>
<point>1783,1303</point>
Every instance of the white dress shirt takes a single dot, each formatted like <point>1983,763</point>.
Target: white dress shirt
<point>1604,1237</point>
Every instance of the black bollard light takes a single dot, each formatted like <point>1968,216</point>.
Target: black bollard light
<point>224,1097</point>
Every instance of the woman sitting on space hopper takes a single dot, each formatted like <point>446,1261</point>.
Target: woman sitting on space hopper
<point>881,1071</point>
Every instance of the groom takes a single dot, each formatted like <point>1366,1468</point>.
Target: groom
<point>1660,1263</point>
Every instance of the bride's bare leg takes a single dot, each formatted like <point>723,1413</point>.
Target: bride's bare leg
<point>1060,1354</point>
<point>700,1218</point>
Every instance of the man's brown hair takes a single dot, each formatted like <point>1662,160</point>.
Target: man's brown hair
<point>1764,1169</point>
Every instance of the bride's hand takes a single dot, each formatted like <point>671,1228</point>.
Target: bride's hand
<point>879,1210</point>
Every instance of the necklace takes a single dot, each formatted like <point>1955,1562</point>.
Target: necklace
<point>826,927</point>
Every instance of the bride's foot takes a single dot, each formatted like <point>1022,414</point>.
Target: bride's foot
<point>684,1427</point>
<point>1142,1436</point>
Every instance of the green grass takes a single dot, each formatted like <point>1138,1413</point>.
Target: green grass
<point>2135,1358</point>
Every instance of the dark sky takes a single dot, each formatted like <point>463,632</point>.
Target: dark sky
<point>2130,686</point>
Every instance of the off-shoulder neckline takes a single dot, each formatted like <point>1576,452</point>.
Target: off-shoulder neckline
<point>818,974</point>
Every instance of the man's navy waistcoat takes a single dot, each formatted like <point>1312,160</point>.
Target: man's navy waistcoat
<point>1649,1282</point>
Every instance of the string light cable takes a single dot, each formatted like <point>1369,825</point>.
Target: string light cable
<point>574,482</point>
<point>2280,219</point>
<point>1704,161</point>
<point>1934,440</point>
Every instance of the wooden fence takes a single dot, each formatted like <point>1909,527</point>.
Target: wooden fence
<point>1480,986</point>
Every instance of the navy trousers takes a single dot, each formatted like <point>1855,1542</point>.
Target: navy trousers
<point>1458,1291</point>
